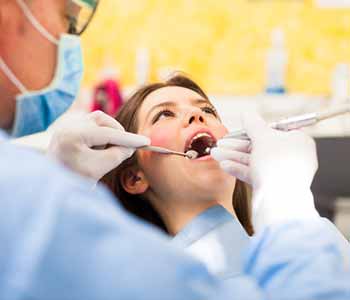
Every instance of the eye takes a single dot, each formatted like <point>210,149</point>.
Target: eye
<point>165,113</point>
<point>210,110</point>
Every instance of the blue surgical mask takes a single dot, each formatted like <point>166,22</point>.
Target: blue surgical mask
<point>36,110</point>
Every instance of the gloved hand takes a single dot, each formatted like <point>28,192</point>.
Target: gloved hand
<point>280,166</point>
<point>79,140</point>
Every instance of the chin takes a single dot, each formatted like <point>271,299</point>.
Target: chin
<point>217,180</point>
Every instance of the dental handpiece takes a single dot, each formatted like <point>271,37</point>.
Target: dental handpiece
<point>296,122</point>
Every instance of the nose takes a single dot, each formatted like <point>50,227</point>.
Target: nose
<point>195,116</point>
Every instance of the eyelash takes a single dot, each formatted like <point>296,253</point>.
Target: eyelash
<point>206,109</point>
<point>161,113</point>
<point>210,110</point>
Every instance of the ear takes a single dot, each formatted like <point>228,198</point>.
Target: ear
<point>134,181</point>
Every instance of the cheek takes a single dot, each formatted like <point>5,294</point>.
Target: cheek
<point>217,127</point>
<point>161,137</point>
<point>221,131</point>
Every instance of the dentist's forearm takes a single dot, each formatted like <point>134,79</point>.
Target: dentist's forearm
<point>272,206</point>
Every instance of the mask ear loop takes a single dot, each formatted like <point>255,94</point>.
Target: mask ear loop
<point>42,30</point>
<point>12,77</point>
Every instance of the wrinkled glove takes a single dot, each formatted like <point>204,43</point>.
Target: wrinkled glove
<point>79,141</point>
<point>279,166</point>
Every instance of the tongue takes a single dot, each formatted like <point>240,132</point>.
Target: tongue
<point>202,146</point>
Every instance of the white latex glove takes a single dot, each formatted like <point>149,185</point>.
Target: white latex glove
<point>280,166</point>
<point>79,140</point>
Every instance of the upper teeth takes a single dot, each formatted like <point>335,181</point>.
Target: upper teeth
<point>199,135</point>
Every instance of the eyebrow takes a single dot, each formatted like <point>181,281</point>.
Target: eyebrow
<point>174,104</point>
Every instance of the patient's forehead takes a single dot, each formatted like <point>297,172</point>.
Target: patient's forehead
<point>179,95</point>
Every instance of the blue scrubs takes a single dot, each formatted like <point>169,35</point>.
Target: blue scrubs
<point>61,241</point>
<point>217,239</point>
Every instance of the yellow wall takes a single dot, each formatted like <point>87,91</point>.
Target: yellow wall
<point>221,43</point>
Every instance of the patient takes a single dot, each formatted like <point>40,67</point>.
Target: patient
<point>205,210</point>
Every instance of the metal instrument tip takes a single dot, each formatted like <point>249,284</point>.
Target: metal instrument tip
<point>191,154</point>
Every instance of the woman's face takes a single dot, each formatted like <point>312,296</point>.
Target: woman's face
<point>179,119</point>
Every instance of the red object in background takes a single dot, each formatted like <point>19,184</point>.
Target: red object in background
<point>107,97</point>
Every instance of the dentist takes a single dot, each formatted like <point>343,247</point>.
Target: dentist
<point>41,68</point>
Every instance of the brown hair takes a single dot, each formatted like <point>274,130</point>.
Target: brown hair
<point>138,205</point>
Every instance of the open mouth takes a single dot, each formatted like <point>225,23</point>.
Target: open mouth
<point>201,143</point>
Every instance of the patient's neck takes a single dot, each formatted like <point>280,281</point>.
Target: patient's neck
<point>177,218</point>
<point>177,214</point>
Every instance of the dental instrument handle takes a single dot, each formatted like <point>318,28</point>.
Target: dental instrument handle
<point>333,112</point>
<point>162,150</point>
<point>296,122</point>
<point>291,123</point>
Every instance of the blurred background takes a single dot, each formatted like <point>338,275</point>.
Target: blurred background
<point>221,43</point>
<point>279,57</point>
